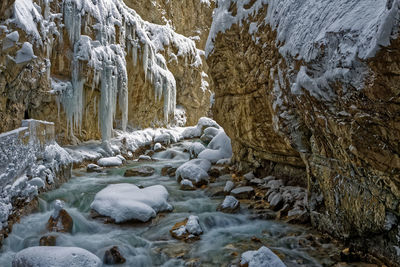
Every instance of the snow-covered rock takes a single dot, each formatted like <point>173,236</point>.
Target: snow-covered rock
<point>194,170</point>
<point>219,148</point>
<point>125,202</point>
<point>195,149</point>
<point>189,229</point>
<point>187,185</point>
<point>229,205</point>
<point>197,131</point>
<point>229,186</point>
<point>25,54</point>
<point>93,168</point>
<point>263,257</point>
<point>164,139</point>
<point>110,162</point>
<point>157,147</point>
<point>55,256</point>
<point>144,158</point>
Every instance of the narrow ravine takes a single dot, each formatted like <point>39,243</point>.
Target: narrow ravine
<point>225,236</point>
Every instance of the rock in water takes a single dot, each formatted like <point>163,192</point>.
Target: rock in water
<point>127,202</point>
<point>140,171</point>
<point>229,205</point>
<point>93,168</point>
<point>187,230</point>
<point>60,220</point>
<point>244,192</point>
<point>48,240</point>
<point>113,256</point>
<point>144,158</point>
<point>263,257</point>
<point>55,256</point>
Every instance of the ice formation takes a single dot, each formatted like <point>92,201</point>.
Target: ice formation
<point>99,60</point>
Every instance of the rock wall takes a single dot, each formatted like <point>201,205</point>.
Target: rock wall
<point>191,18</point>
<point>315,86</point>
<point>62,81</point>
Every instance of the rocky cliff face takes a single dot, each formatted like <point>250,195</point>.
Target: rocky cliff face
<point>65,61</point>
<point>311,89</point>
<point>191,18</point>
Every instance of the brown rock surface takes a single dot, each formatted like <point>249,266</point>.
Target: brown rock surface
<point>62,223</point>
<point>346,150</point>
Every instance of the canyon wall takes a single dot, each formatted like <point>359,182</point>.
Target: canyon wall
<point>310,90</point>
<point>90,68</point>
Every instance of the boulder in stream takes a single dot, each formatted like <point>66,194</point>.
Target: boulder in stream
<point>140,171</point>
<point>187,230</point>
<point>113,256</point>
<point>60,220</point>
<point>55,256</point>
<point>263,257</point>
<point>127,202</point>
<point>194,170</point>
<point>93,168</point>
<point>168,171</point>
<point>144,158</point>
<point>111,161</point>
<point>229,205</point>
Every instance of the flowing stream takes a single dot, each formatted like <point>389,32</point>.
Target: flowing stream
<point>225,236</point>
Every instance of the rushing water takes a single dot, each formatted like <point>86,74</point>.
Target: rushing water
<point>225,236</point>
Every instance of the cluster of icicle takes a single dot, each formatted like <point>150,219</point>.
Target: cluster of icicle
<point>106,58</point>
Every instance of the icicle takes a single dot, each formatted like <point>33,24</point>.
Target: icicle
<point>145,57</point>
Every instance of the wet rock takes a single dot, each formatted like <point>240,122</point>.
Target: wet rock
<point>48,240</point>
<point>217,171</point>
<point>93,168</point>
<point>229,205</point>
<point>228,187</point>
<point>262,257</point>
<point>144,158</point>
<point>249,176</point>
<point>187,185</point>
<point>168,171</point>
<point>187,230</point>
<point>113,256</point>
<point>158,147</point>
<point>299,216</point>
<point>193,263</point>
<point>274,184</point>
<point>150,153</point>
<point>244,192</point>
<point>140,171</point>
<point>60,220</point>
<point>276,201</point>
<point>256,181</point>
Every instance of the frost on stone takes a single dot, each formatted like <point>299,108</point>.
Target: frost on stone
<point>125,202</point>
<point>110,162</point>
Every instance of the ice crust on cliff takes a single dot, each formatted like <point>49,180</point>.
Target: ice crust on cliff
<point>118,32</point>
<point>349,31</point>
